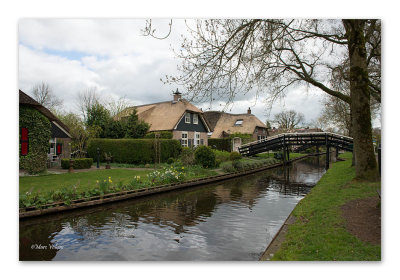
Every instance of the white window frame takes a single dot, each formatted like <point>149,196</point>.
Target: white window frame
<point>196,139</point>
<point>261,138</point>
<point>195,119</point>
<point>185,139</point>
<point>239,122</point>
<point>187,117</point>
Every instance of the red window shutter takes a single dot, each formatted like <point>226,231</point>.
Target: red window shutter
<point>24,141</point>
<point>59,149</point>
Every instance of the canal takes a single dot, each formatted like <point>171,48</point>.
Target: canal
<point>230,220</point>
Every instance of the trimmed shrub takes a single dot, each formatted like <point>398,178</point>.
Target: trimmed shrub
<point>235,156</point>
<point>187,156</point>
<point>163,135</point>
<point>79,163</point>
<point>39,133</point>
<point>205,156</point>
<point>221,156</point>
<point>136,151</point>
<point>222,144</point>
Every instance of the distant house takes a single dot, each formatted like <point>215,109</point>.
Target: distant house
<point>223,125</point>
<point>183,119</point>
<point>59,143</point>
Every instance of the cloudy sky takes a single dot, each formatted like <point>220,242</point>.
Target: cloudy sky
<point>113,56</point>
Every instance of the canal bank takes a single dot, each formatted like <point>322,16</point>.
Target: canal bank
<point>61,206</point>
<point>331,222</point>
<point>229,220</point>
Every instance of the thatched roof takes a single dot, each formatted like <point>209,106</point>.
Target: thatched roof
<point>224,123</point>
<point>25,99</point>
<point>164,115</point>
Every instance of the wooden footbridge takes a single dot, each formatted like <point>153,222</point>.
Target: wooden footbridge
<point>298,141</point>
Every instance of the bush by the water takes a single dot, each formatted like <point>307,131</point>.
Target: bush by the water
<point>79,163</point>
<point>134,150</point>
<point>235,156</point>
<point>205,156</point>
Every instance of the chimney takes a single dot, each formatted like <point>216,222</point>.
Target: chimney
<point>177,96</point>
<point>249,111</point>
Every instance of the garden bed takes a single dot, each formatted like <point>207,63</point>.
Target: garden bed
<point>60,206</point>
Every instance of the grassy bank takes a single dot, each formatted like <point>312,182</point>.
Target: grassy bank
<point>271,155</point>
<point>46,189</point>
<point>319,232</point>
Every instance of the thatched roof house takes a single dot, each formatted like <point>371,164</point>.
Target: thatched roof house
<point>59,143</point>
<point>224,124</point>
<point>183,119</point>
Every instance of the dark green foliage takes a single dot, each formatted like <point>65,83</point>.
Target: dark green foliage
<point>163,135</point>
<point>170,160</point>
<point>39,133</point>
<point>79,163</point>
<point>98,115</point>
<point>134,127</point>
<point>235,156</point>
<point>187,156</point>
<point>222,144</point>
<point>205,156</point>
<point>128,127</point>
<point>133,150</point>
<point>114,129</point>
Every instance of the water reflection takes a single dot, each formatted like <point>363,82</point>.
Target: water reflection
<point>233,220</point>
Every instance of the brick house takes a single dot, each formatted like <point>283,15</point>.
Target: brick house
<point>183,119</point>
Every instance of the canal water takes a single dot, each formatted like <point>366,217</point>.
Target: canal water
<point>231,220</point>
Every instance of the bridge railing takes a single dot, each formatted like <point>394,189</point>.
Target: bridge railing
<point>293,139</point>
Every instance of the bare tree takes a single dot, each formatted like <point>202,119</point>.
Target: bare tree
<point>86,99</point>
<point>117,106</point>
<point>224,58</point>
<point>289,119</point>
<point>44,95</point>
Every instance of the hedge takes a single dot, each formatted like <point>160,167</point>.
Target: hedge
<point>163,135</point>
<point>79,163</point>
<point>136,151</point>
<point>222,144</point>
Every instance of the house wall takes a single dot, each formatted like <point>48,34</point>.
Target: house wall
<point>177,134</point>
<point>200,127</point>
<point>66,146</point>
<point>259,131</point>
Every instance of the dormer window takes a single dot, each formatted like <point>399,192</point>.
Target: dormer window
<point>195,119</point>
<point>239,122</point>
<point>187,118</point>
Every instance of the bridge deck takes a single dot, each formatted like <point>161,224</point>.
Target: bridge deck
<point>298,140</point>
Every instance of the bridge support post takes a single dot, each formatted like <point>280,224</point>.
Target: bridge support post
<point>327,157</point>
<point>337,152</point>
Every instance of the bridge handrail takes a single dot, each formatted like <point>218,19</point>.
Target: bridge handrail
<point>296,134</point>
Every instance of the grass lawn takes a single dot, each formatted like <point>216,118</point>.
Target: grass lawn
<point>271,155</point>
<point>82,180</point>
<point>319,232</point>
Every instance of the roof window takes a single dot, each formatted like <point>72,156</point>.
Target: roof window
<point>239,122</point>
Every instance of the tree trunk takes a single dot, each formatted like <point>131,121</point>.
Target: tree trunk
<point>366,166</point>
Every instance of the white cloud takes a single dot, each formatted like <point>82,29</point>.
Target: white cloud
<point>113,56</point>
